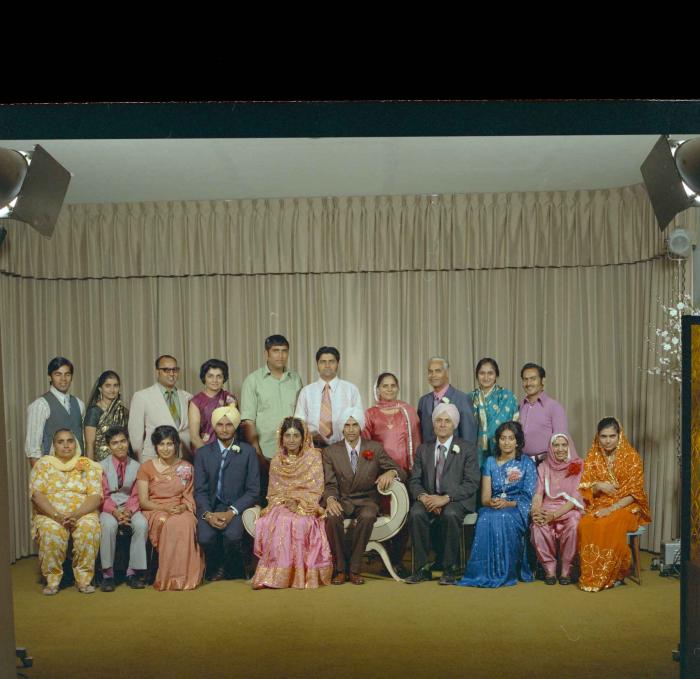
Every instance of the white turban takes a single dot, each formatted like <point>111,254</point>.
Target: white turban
<point>354,412</point>
<point>229,411</point>
<point>449,409</point>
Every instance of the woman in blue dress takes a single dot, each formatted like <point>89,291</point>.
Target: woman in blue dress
<point>493,405</point>
<point>499,553</point>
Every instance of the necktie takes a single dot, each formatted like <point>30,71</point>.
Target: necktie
<point>120,475</point>
<point>172,406</point>
<point>439,467</point>
<point>353,460</point>
<point>325,422</point>
<point>224,453</point>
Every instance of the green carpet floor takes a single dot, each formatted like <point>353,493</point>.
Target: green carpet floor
<point>382,629</point>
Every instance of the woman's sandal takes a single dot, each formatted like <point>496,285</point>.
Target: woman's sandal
<point>564,580</point>
<point>49,591</point>
<point>550,580</point>
<point>87,589</point>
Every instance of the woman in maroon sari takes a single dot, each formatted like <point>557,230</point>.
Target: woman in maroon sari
<point>394,424</point>
<point>165,495</point>
<point>214,374</point>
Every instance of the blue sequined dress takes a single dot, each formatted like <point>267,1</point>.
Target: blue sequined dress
<point>499,554</point>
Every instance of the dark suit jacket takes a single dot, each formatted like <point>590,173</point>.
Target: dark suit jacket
<point>241,484</point>
<point>468,428</point>
<point>460,476</point>
<point>349,488</point>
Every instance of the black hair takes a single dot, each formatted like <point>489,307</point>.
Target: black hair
<point>95,393</point>
<point>609,422</point>
<point>533,366</point>
<point>213,363</point>
<point>58,431</point>
<point>158,360</point>
<point>483,362</point>
<point>59,362</point>
<point>383,375</point>
<point>517,430</point>
<point>115,431</point>
<point>165,431</point>
<point>328,350</point>
<point>292,423</point>
<point>276,341</point>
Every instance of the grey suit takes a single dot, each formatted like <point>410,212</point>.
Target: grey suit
<point>468,428</point>
<point>460,480</point>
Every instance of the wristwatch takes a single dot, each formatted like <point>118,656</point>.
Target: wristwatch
<point>234,510</point>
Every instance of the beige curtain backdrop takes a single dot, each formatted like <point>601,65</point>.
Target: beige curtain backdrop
<point>569,279</point>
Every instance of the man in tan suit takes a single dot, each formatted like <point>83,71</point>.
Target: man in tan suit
<point>354,468</point>
<point>161,403</point>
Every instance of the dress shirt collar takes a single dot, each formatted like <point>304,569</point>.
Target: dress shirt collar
<point>267,372</point>
<point>163,390</point>
<point>120,463</point>
<point>222,447</point>
<point>333,384</point>
<point>437,395</point>
<point>349,448</point>
<point>447,444</point>
<point>541,398</point>
<point>63,398</point>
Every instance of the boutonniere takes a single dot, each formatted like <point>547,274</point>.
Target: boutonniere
<point>444,399</point>
<point>83,464</point>
<point>368,455</point>
<point>514,474</point>
<point>236,449</point>
<point>574,468</point>
<point>184,473</point>
<point>456,450</point>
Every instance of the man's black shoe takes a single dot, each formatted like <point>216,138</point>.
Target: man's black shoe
<point>421,575</point>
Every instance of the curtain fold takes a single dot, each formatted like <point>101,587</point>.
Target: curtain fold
<point>570,280</point>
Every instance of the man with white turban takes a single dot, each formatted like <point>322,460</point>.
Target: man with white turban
<point>444,482</point>
<point>226,483</point>
<point>354,468</point>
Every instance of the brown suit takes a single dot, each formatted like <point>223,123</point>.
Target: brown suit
<point>357,494</point>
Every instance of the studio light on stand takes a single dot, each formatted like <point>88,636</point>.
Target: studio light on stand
<point>671,175</point>
<point>32,188</point>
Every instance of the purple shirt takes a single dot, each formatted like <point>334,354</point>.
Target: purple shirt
<point>540,421</point>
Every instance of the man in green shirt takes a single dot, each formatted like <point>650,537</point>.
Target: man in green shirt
<point>268,396</point>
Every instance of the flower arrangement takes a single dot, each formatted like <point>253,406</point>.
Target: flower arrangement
<point>514,475</point>
<point>574,468</point>
<point>184,473</point>
<point>368,455</point>
<point>668,341</point>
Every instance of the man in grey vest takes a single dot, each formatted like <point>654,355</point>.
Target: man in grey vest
<point>56,409</point>
<point>121,510</point>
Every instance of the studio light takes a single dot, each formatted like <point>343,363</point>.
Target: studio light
<point>32,188</point>
<point>671,174</point>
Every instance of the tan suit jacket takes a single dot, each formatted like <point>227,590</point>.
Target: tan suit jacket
<point>355,489</point>
<point>149,410</point>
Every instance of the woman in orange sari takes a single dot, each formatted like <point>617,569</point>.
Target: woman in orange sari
<point>612,486</point>
<point>165,495</point>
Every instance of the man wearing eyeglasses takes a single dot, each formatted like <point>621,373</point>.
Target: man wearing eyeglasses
<point>162,403</point>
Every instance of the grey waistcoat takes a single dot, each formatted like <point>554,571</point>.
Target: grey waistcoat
<point>60,419</point>
<point>120,495</point>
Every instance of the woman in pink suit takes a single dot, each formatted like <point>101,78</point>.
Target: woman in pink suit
<point>556,508</point>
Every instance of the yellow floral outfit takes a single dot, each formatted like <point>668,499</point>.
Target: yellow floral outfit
<point>66,485</point>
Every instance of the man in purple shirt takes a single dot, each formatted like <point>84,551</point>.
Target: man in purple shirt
<point>540,416</point>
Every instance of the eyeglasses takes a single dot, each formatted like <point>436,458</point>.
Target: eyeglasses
<point>170,371</point>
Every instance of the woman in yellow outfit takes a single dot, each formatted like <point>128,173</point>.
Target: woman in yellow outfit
<point>66,491</point>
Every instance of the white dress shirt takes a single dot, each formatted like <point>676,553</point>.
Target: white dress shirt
<point>38,413</point>
<point>447,445</point>
<point>343,395</point>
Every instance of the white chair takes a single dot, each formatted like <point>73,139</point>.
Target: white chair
<point>635,568</point>
<point>385,527</point>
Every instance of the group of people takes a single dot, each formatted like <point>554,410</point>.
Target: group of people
<point>180,471</point>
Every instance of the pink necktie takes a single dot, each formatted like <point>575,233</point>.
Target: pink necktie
<point>325,423</point>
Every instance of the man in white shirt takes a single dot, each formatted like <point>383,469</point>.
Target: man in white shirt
<point>321,403</point>
<point>54,410</point>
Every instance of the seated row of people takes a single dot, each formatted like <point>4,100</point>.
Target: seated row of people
<point>300,535</point>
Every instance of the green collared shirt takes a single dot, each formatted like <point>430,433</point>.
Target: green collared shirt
<point>267,401</point>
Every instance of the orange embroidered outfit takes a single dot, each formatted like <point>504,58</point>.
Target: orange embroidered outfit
<point>603,550</point>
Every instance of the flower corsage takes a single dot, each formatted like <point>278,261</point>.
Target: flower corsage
<point>574,468</point>
<point>456,450</point>
<point>514,475</point>
<point>368,455</point>
<point>184,473</point>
